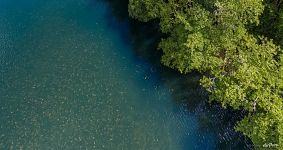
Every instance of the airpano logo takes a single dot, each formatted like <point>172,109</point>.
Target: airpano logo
<point>270,145</point>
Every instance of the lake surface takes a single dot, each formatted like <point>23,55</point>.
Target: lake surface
<point>72,77</point>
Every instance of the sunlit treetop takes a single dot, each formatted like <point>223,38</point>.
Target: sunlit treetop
<point>242,68</point>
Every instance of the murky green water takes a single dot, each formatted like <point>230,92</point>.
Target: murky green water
<point>69,81</point>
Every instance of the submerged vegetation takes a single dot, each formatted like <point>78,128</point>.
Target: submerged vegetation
<point>235,44</point>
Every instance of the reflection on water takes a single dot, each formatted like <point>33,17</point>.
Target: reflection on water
<point>77,74</point>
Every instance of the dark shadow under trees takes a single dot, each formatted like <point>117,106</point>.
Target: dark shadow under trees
<point>144,39</point>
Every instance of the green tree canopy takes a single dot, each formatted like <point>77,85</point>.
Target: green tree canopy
<point>226,40</point>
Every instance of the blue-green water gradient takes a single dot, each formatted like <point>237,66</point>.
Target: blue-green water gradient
<point>69,81</point>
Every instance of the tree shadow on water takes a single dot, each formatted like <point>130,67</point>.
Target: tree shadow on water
<point>143,37</point>
<point>211,117</point>
<point>185,89</point>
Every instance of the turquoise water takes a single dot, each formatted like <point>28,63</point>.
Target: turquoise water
<point>69,80</point>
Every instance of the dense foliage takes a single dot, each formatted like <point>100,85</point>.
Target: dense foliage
<point>236,45</point>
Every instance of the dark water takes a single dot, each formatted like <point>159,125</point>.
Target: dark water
<point>77,74</point>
